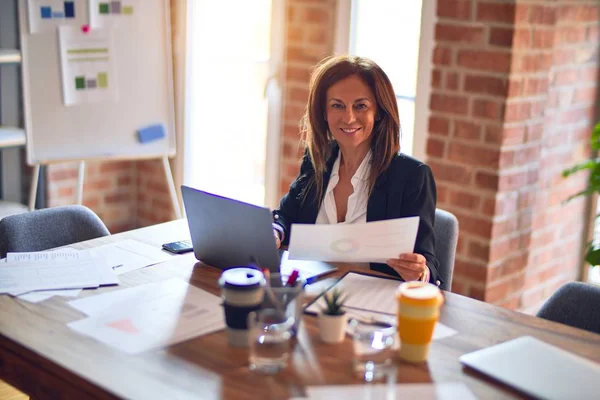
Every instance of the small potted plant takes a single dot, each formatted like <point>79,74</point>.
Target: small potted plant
<point>333,319</point>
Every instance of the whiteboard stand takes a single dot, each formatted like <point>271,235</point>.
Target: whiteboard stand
<point>81,175</point>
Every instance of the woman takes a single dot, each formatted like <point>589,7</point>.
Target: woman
<point>352,170</point>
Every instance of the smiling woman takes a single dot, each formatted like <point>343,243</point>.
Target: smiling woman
<point>353,171</point>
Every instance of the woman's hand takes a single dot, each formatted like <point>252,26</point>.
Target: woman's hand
<point>277,239</point>
<point>410,266</point>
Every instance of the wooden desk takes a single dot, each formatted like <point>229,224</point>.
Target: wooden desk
<point>42,356</point>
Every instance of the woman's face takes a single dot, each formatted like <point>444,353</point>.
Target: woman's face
<point>351,110</point>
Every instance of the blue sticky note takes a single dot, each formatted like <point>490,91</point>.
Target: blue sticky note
<point>46,12</point>
<point>151,133</point>
<point>69,9</point>
<point>58,14</point>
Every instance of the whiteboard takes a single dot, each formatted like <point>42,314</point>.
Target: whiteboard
<point>141,49</point>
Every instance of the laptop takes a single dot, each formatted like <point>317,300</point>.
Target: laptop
<point>538,369</point>
<point>227,233</point>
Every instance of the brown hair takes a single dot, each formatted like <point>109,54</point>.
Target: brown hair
<point>385,139</point>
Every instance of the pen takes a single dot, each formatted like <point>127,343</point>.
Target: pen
<point>293,278</point>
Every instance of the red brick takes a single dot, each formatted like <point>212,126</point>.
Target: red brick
<point>486,85</point>
<point>496,12</point>
<point>563,56</point>
<point>473,271</point>
<point>118,197</point>
<point>435,147</point>
<point>315,15</point>
<point>97,185</point>
<point>534,86</point>
<point>543,39</point>
<point>452,80</point>
<point>473,155</point>
<point>439,125</point>
<point>589,74</point>
<point>66,192</point>
<point>521,13</point>
<point>467,130</point>
<point>486,109</point>
<point>577,115</point>
<point>514,88</point>
<point>494,61</point>
<point>456,9</point>
<point>565,77</point>
<point>110,167</point>
<point>486,180</point>
<point>513,264</point>
<point>585,95</point>
<point>477,226</point>
<point>436,78</point>
<point>517,112</point>
<point>297,74</point>
<point>570,35</point>
<point>514,135</point>
<point>464,199</point>
<point>442,55</point>
<point>588,13</point>
<point>542,15</point>
<point>450,104</point>
<point>512,181</point>
<point>493,134</point>
<point>451,172</point>
<point>295,33</point>
<point>501,37</point>
<point>532,62</point>
<point>522,38</point>
<point>459,34</point>
<point>478,251</point>
<point>317,36</point>
<point>488,207</point>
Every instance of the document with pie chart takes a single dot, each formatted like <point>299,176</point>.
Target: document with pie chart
<point>368,242</point>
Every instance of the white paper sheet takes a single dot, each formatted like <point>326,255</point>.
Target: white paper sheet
<point>23,277</point>
<point>36,297</point>
<point>129,255</point>
<point>105,14</point>
<point>51,256</point>
<point>369,242</point>
<point>373,299</point>
<point>46,15</point>
<point>160,314</point>
<point>422,391</point>
<point>87,65</point>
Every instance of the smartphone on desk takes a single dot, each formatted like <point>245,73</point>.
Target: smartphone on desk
<point>180,247</point>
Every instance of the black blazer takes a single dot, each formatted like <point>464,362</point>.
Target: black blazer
<point>405,189</point>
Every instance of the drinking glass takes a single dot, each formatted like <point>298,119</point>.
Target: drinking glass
<point>373,347</point>
<point>269,340</point>
<point>287,299</point>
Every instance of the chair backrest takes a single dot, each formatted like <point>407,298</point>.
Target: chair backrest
<point>446,237</point>
<point>50,227</point>
<point>575,304</point>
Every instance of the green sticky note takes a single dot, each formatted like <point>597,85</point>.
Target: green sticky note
<point>102,80</point>
<point>79,82</point>
<point>127,10</point>
<point>104,8</point>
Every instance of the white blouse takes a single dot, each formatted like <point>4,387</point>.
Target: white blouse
<point>357,202</point>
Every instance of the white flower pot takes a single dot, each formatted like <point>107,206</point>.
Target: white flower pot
<point>332,328</point>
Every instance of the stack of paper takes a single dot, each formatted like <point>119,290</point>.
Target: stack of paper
<point>149,316</point>
<point>28,272</point>
<point>121,257</point>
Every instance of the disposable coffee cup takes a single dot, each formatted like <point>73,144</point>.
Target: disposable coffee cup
<point>242,290</point>
<point>418,312</point>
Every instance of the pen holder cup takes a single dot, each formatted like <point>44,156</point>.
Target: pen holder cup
<point>286,299</point>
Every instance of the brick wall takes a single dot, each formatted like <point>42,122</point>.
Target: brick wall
<point>514,88</point>
<point>309,39</point>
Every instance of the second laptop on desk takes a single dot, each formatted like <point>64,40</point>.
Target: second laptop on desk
<point>227,233</point>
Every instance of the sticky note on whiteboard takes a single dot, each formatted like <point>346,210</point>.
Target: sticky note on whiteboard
<point>151,133</point>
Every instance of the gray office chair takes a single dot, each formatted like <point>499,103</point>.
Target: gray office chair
<point>446,237</point>
<point>575,304</point>
<point>50,227</point>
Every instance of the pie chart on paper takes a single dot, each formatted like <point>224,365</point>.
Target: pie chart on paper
<point>345,246</point>
<point>124,325</point>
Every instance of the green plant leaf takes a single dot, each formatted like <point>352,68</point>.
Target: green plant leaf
<point>596,137</point>
<point>593,256</point>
